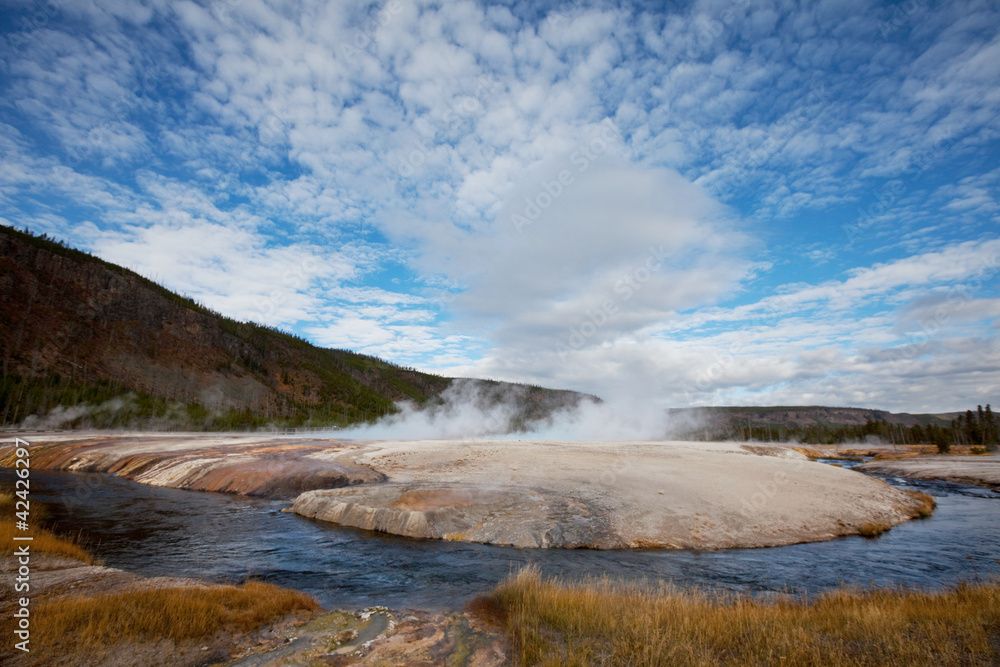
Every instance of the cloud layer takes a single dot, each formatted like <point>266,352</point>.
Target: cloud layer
<point>725,202</point>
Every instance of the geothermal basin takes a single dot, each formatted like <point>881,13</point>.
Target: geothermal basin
<point>522,493</point>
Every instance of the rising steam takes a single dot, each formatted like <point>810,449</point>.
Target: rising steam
<point>475,409</point>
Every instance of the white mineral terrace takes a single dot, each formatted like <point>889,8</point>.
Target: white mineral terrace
<point>606,494</point>
<point>525,493</point>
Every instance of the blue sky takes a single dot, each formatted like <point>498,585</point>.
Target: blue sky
<point>710,203</point>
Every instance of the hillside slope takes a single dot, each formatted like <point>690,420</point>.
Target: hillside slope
<point>84,342</point>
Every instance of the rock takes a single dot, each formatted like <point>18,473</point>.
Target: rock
<point>514,516</point>
<point>605,495</point>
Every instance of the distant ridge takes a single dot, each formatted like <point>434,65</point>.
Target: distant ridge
<point>88,343</point>
<point>808,423</point>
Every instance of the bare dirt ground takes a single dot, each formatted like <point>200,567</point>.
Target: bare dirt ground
<point>382,637</point>
<point>980,470</point>
<point>606,495</point>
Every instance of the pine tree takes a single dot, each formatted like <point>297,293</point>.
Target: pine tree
<point>992,436</point>
<point>940,437</point>
<point>980,426</point>
<point>970,428</point>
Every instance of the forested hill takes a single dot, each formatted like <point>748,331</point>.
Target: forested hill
<point>820,424</point>
<point>87,343</point>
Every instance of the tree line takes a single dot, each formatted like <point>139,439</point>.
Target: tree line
<point>978,429</point>
<point>975,428</point>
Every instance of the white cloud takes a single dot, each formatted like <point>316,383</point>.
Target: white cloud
<point>228,269</point>
<point>387,145</point>
<point>645,240</point>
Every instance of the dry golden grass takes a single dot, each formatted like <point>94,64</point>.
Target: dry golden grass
<point>890,456</point>
<point>809,452</point>
<point>911,451</point>
<point>927,503</point>
<point>830,456</point>
<point>155,626</point>
<point>178,613</point>
<point>857,453</point>
<point>870,530</point>
<point>44,541</point>
<point>602,623</point>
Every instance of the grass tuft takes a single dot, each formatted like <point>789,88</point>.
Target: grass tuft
<point>44,540</point>
<point>927,504</point>
<point>604,623</point>
<point>871,530</point>
<point>809,452</point>
<point>154,626</point>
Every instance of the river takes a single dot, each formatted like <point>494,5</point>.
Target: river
<point>156,532</point>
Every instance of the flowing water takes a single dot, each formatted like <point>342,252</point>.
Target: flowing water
<point>155,532</point>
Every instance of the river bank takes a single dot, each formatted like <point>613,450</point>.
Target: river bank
<point>69,609</point>
<point>163,532</point>
<point>79,612</point>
